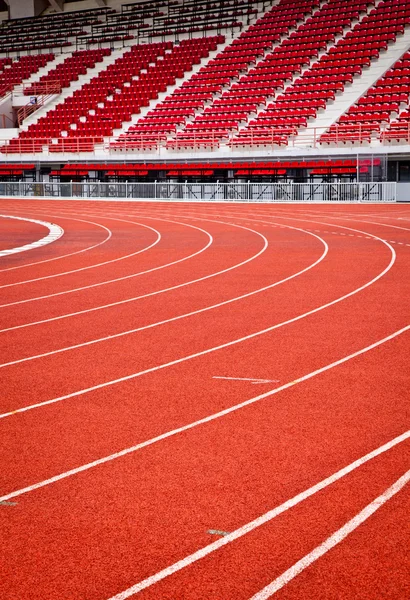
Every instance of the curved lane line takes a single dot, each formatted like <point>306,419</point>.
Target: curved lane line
<point>213,349</point>
<point>96,265</point>
<point>237,265</point>
<point>65,255</point>
<point>86,287</point>
<point>54,233</point>
<point>177,318</point>
<point>222,413</point>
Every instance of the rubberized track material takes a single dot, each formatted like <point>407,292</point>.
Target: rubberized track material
<point>204,401</point>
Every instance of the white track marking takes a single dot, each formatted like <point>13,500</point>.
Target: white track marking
<point>54,233</point>
<point>68,315</point>
<point>175,287</point>
<point>94,285</point>
<point>332,541</point>
<point>178,317</point>
<point>214,417</point>
<point>262,520</point>
<point>208,350</point>
<point>39,262</point>
<point>107,262</point>
<point>249,379</point>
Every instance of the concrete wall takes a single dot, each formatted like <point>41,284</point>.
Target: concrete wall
<point>7,115</point>
<point>403,192</point>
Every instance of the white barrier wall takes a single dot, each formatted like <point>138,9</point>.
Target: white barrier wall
<point>403,192</point>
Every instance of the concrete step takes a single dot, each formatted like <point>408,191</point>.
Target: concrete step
<point>75,85</point>
<point>35,77</point>
<point>195,69</point>
<point>361,84</point>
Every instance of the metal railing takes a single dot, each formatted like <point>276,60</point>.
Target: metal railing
<point>160,143</point>
<point>41,92</point>
<point>208,192</point>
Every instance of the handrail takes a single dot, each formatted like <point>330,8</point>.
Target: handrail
<point>351,137</point>
<point>42,92</point>
<point>5,90</point>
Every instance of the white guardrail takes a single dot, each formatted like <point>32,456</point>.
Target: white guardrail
<point>208,192</point>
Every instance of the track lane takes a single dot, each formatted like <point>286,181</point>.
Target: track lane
<point>188,240</point>
<point>105,574</point>
<point>44,277</point>
<point>351,568</point>
<point>199,480</point>
<point>116,258</point>
<point>221,326</point>
<point>77,234</point>
<point>285,348</point>
<point>238,283</point>
<point>70,239</point>
<point>284,539</point>
<point>16,233</point>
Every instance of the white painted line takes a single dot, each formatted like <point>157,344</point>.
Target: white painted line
<point>107,262</point>
<point>87,249</point>
<point>175,287</point>
<point>252,525</point>
<point>54,233</point>
<point>332,541</point>
<point>171,319</point>
<point>214,417</point>
<point>94,285</point>
<point>208,350</point>
<point>251,380</point>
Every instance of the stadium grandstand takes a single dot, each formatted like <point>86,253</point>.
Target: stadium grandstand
<point>232,91</point>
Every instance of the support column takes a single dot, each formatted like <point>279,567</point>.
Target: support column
<point>18,9</point>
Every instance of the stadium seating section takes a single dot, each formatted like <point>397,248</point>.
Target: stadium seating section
<point>182,75</point>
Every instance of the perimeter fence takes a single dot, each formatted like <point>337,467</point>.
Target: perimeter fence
<point>208,192</point>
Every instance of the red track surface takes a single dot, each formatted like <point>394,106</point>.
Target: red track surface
<point>197,293</point>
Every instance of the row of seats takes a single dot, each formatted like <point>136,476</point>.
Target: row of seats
<point>334,73</point>
<point>287,60</point>
<point>249,165</point>
<point>150,20</point>
<point>14,72</point>
<point>70,69</point>
<point>116,93</point>
<point>374,109</point>
<point>54,30</point>
<point>239,56</point>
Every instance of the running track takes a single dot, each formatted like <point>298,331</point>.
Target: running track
<point>205,401</point>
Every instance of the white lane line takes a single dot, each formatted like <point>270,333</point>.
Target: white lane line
<point>262,520</point>
<point>250,379</point>
<point>213,349</point>
<point>175,287</point>
<point>94,285</point>
<point>87,249</point>
<point>208,419</point>
<point>107,262</point>
<point>54,233</point>
<point>67,315</point>
<point>178,317</point>
<point>333,540</point>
